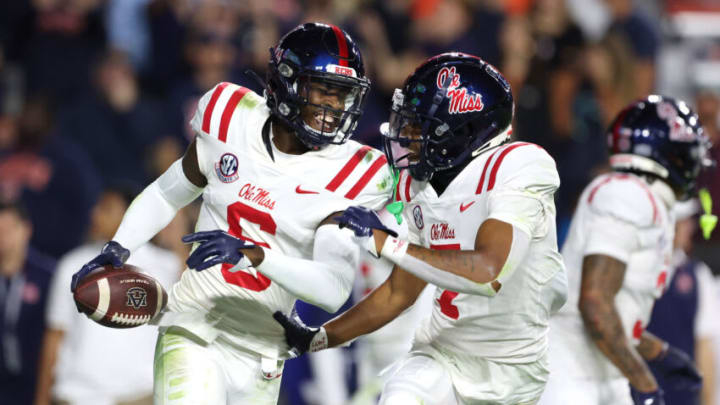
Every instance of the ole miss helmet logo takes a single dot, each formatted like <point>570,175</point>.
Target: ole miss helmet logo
<point>227,168</point>
<point>460,100</point>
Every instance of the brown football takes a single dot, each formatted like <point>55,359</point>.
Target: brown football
<point>120,298</point>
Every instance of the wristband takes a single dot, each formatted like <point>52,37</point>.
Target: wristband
<point>319,341</point>
<point>394,249</point>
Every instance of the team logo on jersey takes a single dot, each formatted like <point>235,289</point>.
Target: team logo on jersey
<point>460,100</point>
<point>418,216</point>
<point>227,168</point>
<point>441,231</point>
<point>136,297</point>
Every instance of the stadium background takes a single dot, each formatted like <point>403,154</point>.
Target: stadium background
<point>99,93</point>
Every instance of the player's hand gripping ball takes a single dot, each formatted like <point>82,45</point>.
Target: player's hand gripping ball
<point>120,298</point>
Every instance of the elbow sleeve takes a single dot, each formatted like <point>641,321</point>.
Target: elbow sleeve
<point>325,281</point>
<point>155,207</point>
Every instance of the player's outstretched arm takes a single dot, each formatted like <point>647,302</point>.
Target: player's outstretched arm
<point>499,248</point>
<point>151,211</point>
<point>377,309</point>
<point>325,281</point>
<point>602,278</point>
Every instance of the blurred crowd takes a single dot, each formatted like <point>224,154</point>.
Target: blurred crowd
<point>96,95</point>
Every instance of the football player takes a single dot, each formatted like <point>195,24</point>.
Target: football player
<point>618,254</point>
<point>481,220</point>
<point>271,169</point>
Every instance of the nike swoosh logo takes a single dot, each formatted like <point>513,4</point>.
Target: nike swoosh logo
<point>464,207</point>
<point>301,191</point>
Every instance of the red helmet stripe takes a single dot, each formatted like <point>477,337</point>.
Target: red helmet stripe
<point>211,106</point>
<point>365,179</point>
<point>342,45</point>
<point>616,130</point>
<point>347,169</point>
<point>229,110</point>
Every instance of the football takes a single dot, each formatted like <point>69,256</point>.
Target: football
<point>120,298</point>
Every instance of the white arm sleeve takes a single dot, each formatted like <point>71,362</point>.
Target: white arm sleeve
<point>396,251</point>
<point>155,207</point>
<point>325,281</point>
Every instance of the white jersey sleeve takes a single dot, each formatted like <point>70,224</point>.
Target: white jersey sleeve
<point>525,188</point>
<point>623,220</point>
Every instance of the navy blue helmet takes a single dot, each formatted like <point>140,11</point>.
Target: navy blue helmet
<point>662,137</point>
<point>324,54</point>
<point>452,108</point>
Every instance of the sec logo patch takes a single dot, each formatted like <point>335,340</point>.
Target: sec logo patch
<point>227,168</point>
<point>418,216</point>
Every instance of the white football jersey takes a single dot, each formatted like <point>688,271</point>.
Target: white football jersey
<point>277,204</point>
<point>507,183</point>
<point>618,215</point>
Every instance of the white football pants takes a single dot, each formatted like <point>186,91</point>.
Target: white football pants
<point>428,376</point>
<point>191,372</point>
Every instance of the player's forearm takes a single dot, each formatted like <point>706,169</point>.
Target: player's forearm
<point>375,311</point>
<point>650,346</point>
<point>325,281</point>
<point>605,328</point>
<point>480,271</point>
<point>155,207</point>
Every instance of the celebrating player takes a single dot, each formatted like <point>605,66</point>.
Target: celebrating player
<point>618,256</point>
<point>271,171</point>
<point>481,221</point>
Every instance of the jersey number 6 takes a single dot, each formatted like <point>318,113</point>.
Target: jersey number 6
<point>236,212</point>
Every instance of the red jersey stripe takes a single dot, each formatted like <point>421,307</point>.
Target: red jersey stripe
<point>347,169</point>
<point>230,107</point>
<point>482,177</point>
<point>342,46</point>
<point>498,162</point>
<point>397,188</point>
<point>449,246</point>
<point>365,179</point>
<point>407,187</point>
<point>211,106</point>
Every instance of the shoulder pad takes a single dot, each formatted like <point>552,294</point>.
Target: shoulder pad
<point>226,102</point>
<point>521,166</point>
<point>624,197</point>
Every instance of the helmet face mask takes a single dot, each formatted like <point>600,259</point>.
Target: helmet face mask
<point>451,109</point>
<point>316,84</point>
<point>663,138</point>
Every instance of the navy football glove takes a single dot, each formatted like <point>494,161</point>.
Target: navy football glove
<point>678,369</point>
<point>216,247</point>
<point>647,398</point>
<point>362,221</point>
<point>112,253</point>
<point>299,336</point>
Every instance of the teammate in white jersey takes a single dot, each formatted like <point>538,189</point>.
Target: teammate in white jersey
<point>272,170</point>
<point>481,220</point>
<point>618,255</point>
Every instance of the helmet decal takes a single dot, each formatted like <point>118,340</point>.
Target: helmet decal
<point>460,100</point>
